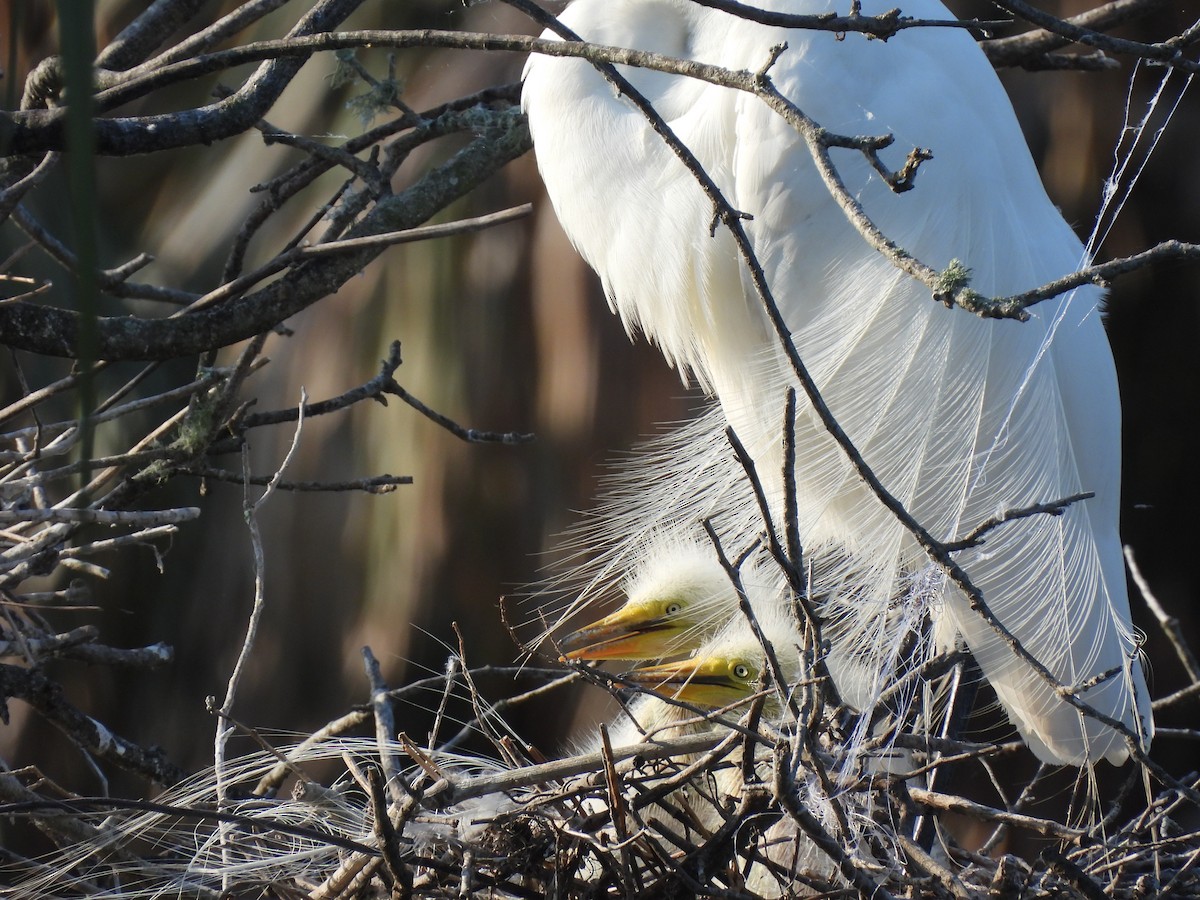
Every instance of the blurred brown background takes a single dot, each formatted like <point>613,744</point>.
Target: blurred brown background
<point>507,330</point>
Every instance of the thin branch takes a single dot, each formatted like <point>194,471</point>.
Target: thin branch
<point>1053,508</point>
<point>1031,49</point>
<point>427,232</point>
<point>451,790</point>
<point>154,656</point>
<point>1014,306</point>
<point>47,697</point>
<point>470,435</point>
<point>250,510</point>
<point>12,194</point>
<point>882,26</point>
<point>141,518</point>
<point>31,648</point>
<point>1169,623</point>
<point>385,724</point>
<point>1168,53</point>
<point>984,813</point>
<point>372,484</point>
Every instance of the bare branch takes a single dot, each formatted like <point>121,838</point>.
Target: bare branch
<point>1169,53</point>
<point>1033,48</point>
<point>55,332</point>
<point>47,697</point>
<point>1169,623</point>
<point>1052,508</point>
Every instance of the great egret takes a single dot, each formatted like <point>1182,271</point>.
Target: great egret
<point>960,418</point>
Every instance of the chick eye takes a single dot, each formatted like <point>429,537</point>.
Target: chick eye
<point>674,609</point>
<point>742,671</point>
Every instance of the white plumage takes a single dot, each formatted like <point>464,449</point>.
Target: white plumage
<point>959,417</point>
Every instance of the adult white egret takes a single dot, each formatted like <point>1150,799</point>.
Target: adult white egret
<point>960,418</point>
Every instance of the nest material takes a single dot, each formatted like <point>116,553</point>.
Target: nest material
<point>625,822</point>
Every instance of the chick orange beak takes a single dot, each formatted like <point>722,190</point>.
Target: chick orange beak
<point>629,633</point>
<point>705,681</point>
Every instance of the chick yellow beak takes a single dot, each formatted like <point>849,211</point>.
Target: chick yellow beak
<point>632,632</point>
<point>714,681</point>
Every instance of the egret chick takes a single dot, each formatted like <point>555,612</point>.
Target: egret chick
<point>678,597</point>
<point>728,670</point>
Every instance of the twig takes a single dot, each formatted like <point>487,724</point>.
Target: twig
<point>140,518</point>
<point>949,882</point>
<point>952,803</point>
<point>374,484</point>
<point>107,412</point>
<point>1052,508</point>
<point>1031,49</point>
<point>374,388</point>
<point>144,537</point>
<point>250,510</point>
<point>1187,693</point>
<point>452,790</point>
<point>424,233</point>
<point>297,254</point>
<point>779,682</point>
<point>1168,53</point>
<point>1169,623</point>
<point>47,697</point>
<point>385,725</point>
<point>470,435</point>
<point>785,795</point>
<point>385,834</point>
<point>153,656</point>
<point>32,647</point>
